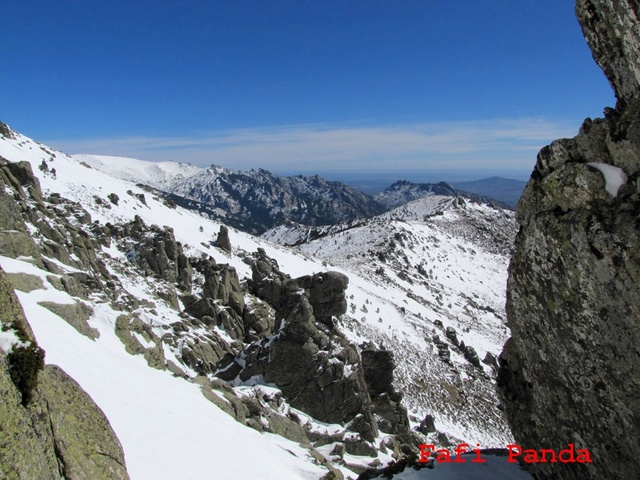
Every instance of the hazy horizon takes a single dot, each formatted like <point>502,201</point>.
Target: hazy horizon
<point>375,182</point>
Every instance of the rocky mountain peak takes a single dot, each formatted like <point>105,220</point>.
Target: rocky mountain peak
<point>404,191</point>
<point>216,170</point>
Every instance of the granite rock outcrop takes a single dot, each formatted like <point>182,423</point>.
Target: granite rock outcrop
<point>318,370</point>
<point>570,374</point>
<point>57,432</point>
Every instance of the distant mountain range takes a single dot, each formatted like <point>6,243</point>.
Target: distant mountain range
<point>403,191</point>
<point>257,200</point>
<point>505,190</point>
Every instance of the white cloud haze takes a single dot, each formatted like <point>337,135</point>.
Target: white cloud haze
<point>491,144</point>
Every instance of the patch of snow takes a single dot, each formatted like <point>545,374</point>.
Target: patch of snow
<point>143,341</point>
<point>8,340</point>
<point>614,177</point>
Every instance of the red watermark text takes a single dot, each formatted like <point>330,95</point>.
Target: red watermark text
<point>515,454</point>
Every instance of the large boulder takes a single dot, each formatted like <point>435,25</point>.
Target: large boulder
<point>222,283</point>
<point>326,293</point>
<point>328,386</point>
<point>378,365</point>
<point>222,241</point>
<point>569,374</point>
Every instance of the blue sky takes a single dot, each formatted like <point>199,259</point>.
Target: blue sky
<point>301,86</point>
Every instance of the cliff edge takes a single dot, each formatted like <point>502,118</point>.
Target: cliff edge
<point>570,374</point>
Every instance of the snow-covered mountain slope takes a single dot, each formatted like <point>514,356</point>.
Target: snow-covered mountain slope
<point>109,257</point>
<point>433,273</point>
<point>156,174</point>
<point>167,427</point>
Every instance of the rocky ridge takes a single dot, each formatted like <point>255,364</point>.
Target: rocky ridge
<point>404,191</point>
<point>569,374</point>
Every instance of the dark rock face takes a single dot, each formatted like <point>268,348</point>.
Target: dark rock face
<point>569,374</point>
<point>326,294</point>
<point>316,368</point>
<point>378,366</point>
<point>378,370</point>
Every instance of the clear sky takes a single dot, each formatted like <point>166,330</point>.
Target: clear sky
<point>301,86</point>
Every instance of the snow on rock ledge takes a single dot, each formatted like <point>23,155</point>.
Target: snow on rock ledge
<point>614,177</point>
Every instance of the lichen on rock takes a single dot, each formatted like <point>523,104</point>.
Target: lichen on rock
<point>85,444</point>
<point>56,431</point>
<point>569,374</point>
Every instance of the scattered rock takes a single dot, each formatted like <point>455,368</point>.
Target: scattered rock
<point>222,240</point>
<point>427,425</point>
